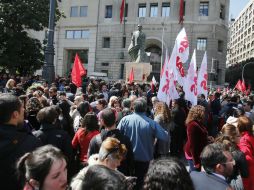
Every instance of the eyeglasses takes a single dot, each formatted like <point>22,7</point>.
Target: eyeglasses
<point>231,162</point>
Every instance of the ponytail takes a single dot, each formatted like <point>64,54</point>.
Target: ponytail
<point>21,168</point>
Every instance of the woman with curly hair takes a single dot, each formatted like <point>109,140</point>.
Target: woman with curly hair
<point>163,117</point>
<point>33,106</point>
<point>230,137</point>
<point>197,137</point>
<point>167,173</point>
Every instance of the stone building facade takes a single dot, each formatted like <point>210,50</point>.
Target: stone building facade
<point>93,29</point>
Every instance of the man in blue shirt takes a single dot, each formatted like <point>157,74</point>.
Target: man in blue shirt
<point>142,132</point>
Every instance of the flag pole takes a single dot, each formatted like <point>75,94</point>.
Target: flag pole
<point>162,44</point>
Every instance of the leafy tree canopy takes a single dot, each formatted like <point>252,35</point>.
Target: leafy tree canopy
<point>18,51</point>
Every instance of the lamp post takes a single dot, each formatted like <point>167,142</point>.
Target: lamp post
<point>162,44</point>
<point>244,68</point>
<point>48,72</point>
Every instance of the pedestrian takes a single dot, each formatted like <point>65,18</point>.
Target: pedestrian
<point>142,132</point>
<point>13,142</point>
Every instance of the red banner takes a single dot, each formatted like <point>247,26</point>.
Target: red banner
<point>122,11</point>
<point>131,76</point>
<point>181,12</point>
<point>78,70</point>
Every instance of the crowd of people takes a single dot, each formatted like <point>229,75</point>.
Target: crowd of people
<point>107,135</point>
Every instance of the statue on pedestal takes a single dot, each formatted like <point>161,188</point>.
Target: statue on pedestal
<point>137,47</point>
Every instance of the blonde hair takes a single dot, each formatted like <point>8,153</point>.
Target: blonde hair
<point>112,147</point>
<point>162,108</point>
<point>228,136</point>
<point>8,84</point>
<point>196,113</point>
<point>111,100</point>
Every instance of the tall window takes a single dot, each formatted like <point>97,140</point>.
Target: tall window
<point>124,42</point>
<point>108,11</point>
<point>74,11</point>
<point>126,10</point>
<point>154,10</point>
<point>83,11</point>
<point>165,10</point>
<point>203,8</point>
<point>222,12</point>
<point>106,42</point>
<point>184,5</point>
<point>220,46</point>
<point>142,10</point>
<point>201,44</point>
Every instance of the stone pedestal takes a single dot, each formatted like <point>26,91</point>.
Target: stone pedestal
<point>141,71</point>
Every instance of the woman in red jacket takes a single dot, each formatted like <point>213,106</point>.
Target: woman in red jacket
<point>246,145</point>
<point>197,137</point>
<point>89,128</point>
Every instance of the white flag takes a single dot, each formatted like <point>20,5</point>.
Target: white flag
<point>154,80</point>
<point>172,88</point>
<point>190,86</point>
<point>182,55</point>
<point>182,46</point>
<point>165,63</point>
<point>167,90</point>
<point>202,77</point>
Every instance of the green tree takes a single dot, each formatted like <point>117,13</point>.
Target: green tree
<point>19,52</point>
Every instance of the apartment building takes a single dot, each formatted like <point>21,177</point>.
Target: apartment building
<point>241,36</point>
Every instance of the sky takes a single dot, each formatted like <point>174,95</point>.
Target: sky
<point>236,6</point>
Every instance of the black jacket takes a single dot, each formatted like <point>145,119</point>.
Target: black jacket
<point>241,166</point>
<point>13,145</point>
<point>50,134</point>
<point>126,166</point>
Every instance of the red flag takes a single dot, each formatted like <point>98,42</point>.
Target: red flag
<point>153,83</point>
<point>239,85</point>
<point>181,12</point>
<point>77,72</point>
<point>243,86</point>
<point>131,77</point>
<point>247,92</point>
<point>122,11</point>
